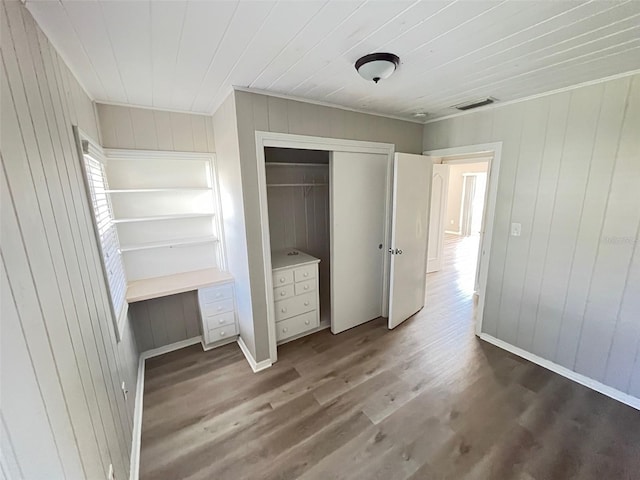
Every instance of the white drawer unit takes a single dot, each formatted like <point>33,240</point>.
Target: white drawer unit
<point>217,314</point>
<point>295,293</point>
<point>216,308</point>
<point>292,327</point>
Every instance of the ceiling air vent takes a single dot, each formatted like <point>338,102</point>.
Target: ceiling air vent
<point>475,103</point>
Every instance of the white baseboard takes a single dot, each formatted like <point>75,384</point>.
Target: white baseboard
<point>452,232</point>
<point>134,464</point>
<point>255,366</point>
<point>565,372</point>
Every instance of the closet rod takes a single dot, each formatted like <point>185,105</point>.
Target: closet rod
<point>285,164</point>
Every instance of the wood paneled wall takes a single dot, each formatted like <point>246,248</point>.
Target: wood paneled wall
<point>299,217</point>
<point>147,129</point>
<point>63,412</point>
<point>166,320</point>
<point>568,289</point>
<point>272,114</point>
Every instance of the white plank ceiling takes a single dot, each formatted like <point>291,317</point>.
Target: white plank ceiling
<point>185,55</point>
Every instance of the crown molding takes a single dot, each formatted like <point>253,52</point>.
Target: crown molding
<point>537,95</point>
<point>324,104</point>
<point>158,109</point>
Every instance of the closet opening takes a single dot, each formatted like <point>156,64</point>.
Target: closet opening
<point>297,182</point>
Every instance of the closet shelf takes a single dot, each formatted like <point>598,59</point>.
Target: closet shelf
<point>159,190</point>
<point>297,184</point>
<point>179,242</point>
<point>287,164</point>
<point>162,217</point>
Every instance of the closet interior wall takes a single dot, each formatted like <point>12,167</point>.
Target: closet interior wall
<point>298,211</point>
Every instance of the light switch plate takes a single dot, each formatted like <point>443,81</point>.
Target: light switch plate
<point>516,229</point>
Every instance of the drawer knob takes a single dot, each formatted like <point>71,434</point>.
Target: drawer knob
<point>305,274</point>
<point>222,334</point>
<point>282,279</point>
<point>283,310</point>
<point>283,293</point>
<point>218,295</point>
<point>306,304</point>
<point>306,287</point>
<point>306,322</point>
<point>221,320</point>
<point>219,308</point>
<point>285,330</point>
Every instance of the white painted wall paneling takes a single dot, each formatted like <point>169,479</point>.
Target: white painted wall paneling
<point>567,289</point>
<point>54,295</point>
<point>264,113</point>
<point>186,56</point>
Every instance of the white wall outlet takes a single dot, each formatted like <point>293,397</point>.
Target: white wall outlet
<point>516,229</point>
<point>451,222</point>
<point>111,475</point>
<point>125,392</point>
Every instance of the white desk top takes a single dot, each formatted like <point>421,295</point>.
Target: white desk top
<point>171,284</point>
<point>282,259</point>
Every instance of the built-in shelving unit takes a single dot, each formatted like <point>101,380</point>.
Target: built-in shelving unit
<point>166,211</point>
<point>168,243</point>
<point>157,190</point>
<point>162,217</point>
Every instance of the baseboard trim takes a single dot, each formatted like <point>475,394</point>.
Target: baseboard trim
<point>255,366</point>
<point>565,372</point>
<point>134,463</point>
<point>452,232</point>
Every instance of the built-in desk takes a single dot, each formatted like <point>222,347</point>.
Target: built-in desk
<point>177,283</point>
<point>216,300</point>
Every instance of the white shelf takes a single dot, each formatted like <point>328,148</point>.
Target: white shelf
<point>297,184</point>
<point>177,283</point>
<point>160,190</point>
<point>179,242</point>
<point>287,164</point>
<point>162,217</point>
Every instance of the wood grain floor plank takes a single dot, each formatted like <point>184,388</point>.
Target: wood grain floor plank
<point>427,400</point>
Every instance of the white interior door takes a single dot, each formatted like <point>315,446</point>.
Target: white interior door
<point>439,192</point>
<point>358,200</point>
<point>409,235</point>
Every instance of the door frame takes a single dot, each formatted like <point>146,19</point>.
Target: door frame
<point>476,152</point>
<point>306,142</point>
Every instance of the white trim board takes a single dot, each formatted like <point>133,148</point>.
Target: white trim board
<point>565,372</point>
<point>134,464</point>
<point>255,366</point>
<point>490,199</point>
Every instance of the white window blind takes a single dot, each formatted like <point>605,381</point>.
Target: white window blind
<point>97,187</point>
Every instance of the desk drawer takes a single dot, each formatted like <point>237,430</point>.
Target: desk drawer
<point>216,308</point>
<point>222,333</point>
<point>280,293</point>
<point>295,306</point>
<point>296,325</point>
<point>215,293</point>
<point>306,286</point>
<point>305,273</point>
<point>217,321</point>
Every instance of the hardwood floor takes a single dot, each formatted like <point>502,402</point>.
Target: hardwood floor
<point>427,400</point>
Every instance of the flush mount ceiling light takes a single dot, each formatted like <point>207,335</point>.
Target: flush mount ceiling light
<point>376,66</point>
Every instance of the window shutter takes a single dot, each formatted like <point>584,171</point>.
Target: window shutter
<point>94,165</point>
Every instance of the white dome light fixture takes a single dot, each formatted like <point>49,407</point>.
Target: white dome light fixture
<point>377,66</point>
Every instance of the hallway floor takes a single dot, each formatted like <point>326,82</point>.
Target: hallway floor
<point>427,400</point>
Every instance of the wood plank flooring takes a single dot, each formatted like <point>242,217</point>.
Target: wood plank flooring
<point>427,400</point>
